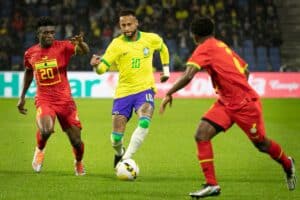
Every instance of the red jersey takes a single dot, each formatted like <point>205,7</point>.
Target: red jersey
<point>226,70</point>
<point>50,70</point>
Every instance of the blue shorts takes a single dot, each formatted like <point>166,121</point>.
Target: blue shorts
<point>125,105</point>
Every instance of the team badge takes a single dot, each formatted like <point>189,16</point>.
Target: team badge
<point>146,51</point>
<point>253,130</point>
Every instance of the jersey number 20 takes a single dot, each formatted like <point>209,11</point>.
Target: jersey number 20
<point>46,73</point>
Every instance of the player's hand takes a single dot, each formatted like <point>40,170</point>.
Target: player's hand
<point>77,39</point>
<point>163,78</point>
<point>20,106</point>
<point>95,60</point>
<point>166,100</point>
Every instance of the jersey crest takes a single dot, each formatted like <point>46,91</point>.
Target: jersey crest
<point>146,52</point>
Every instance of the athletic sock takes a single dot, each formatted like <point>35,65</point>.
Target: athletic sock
<point>136,140</point>
<point>277,153</point>
<point>206,160</point>
<point>118,147</point>
<point>78,151</point>
<point>117,143</point>
<point>41,143</point>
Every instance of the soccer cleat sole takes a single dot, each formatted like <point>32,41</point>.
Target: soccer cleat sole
<point>37,169</point>
<point>207,191</point>
<point>292,179</point>
<point>200,197</point>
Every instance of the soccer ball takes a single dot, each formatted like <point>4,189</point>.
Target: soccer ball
<point>127,170</point>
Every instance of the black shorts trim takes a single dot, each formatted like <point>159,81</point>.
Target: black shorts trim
<point>216,126</point>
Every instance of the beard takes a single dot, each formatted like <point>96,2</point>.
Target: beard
<point>130,34</point>
<point>47,42</point>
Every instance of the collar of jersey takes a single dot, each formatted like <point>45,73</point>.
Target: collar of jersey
<point>128,40</point>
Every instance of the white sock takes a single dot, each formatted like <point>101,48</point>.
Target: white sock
<point>118,146</point>
<point>136,140</point>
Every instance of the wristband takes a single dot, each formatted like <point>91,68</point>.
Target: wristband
<point>166,70</point>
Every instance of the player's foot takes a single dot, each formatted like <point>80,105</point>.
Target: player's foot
<point>118,158</point>
<point>206,191</point>
<point>79,168</point>
<point>38,159</point>
<point>291,176</point>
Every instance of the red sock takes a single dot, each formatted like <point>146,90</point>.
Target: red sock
<point>276,152</point>
<point>78,151</point>
<point>41,143</point>
<point>205,157</point>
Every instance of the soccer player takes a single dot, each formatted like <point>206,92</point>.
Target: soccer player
<point>48,61</point>
<point>237,103</point>
<point>132,54</point>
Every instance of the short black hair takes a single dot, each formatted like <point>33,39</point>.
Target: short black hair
<point>202,26</point>
<point>45,21</point>
<point>127,12</point>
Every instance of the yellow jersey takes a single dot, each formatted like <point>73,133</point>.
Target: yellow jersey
<point>133,61</point>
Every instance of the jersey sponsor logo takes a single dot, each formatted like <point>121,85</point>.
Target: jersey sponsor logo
<point>146,52</point>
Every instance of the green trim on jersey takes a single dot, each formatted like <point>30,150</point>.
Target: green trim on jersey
<point>129,40</point>
<point>105,62</point>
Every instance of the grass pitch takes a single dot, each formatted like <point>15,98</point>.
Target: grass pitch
<point>167,160</point>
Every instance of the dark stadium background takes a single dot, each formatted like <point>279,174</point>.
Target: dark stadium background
<point>264,32</point>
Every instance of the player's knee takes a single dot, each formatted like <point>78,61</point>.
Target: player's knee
<point>116,137</point>
<point>46,132</point>
<point>262,146</point>
<point>144,122</point>
<point>76,141</point>
<point>201,136</point>
<point>205,132</point>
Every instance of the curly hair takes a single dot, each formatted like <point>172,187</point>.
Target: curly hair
<point>202,26</point>
<point>45,21</point>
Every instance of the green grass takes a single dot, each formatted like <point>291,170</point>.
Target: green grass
<point>168,165</point>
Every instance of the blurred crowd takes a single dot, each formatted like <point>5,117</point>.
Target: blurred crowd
<point>250,27</point>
